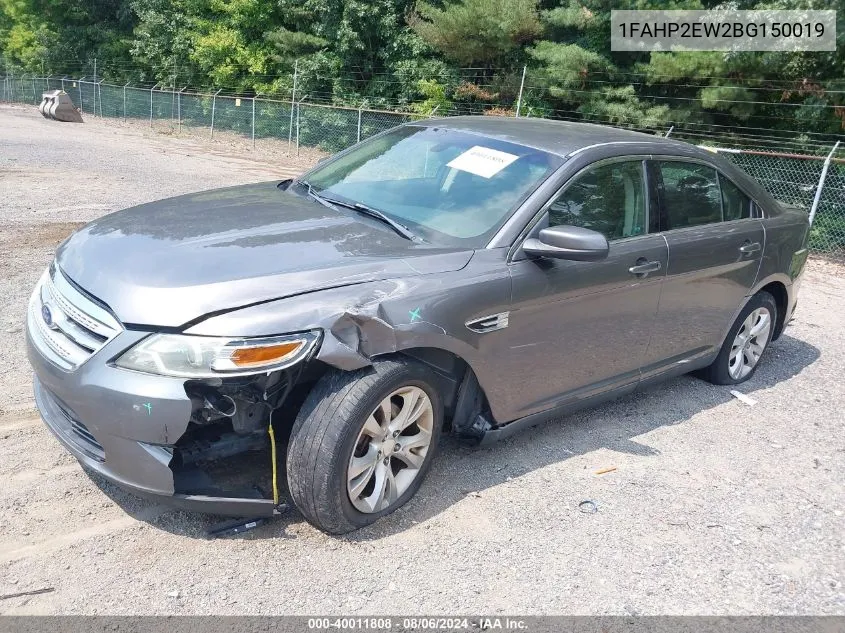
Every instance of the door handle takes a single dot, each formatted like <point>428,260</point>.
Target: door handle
<point>749,247</point>
<point>643,267</point>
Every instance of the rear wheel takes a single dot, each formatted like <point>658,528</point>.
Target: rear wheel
<point>746,342</point>
<point>362,443</point>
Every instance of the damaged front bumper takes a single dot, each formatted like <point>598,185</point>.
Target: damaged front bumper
<point>150,435</point>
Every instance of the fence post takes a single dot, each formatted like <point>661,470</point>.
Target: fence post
<point>521,86</point>
<point>34,95</point>
<point>360,108</point>
<point>253,119</point>
<point>124,100</point>
<point>95,86</point>
<point>99,91</point>
<point>79,84</point>
<point>818,197</point>
<point>292,99</point>
<point>669,131</point>
<point>298,103</point>
<point>151,103</point>
<point>213,107</point>
<point>179,107</point>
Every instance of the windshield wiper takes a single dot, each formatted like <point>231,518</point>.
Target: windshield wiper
<point>310,190</point>
<point>401,229</point>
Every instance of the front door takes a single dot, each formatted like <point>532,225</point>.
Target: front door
<point>579,328</point>
<point>715,249</point>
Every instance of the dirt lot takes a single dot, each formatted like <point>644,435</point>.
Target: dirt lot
<point>715,506</point>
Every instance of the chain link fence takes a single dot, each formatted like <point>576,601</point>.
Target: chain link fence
<point>813,182</point>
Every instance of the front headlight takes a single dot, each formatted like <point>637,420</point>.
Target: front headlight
<point>210,356</point>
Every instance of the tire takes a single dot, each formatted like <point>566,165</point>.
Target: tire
<point>330,432</point>
<point>723,370</point>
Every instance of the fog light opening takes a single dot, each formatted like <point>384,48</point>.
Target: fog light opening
<point>220,404</point>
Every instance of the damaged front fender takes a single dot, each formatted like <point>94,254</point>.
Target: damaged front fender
<point>364,321</point>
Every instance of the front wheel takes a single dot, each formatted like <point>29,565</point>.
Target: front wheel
<point>362,443</point>
<point>747,339</point>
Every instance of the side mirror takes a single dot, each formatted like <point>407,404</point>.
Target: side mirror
<point>568,242</point>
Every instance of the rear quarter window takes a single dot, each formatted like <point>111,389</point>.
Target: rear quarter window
<point>736,205</point>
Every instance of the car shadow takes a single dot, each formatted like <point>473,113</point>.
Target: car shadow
<point>461,469</point>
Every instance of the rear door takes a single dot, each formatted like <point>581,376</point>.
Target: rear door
<point>715,248</point>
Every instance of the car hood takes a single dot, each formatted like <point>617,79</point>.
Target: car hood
<point>171,262</point>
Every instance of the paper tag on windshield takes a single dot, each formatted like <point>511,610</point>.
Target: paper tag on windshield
<point>482,161</point>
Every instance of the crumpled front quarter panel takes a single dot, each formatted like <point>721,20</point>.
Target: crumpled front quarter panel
<point>367,320</point>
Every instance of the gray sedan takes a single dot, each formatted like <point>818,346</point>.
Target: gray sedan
<point>312,339</point>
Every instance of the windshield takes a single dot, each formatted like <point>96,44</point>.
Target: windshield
<point>449,187</point>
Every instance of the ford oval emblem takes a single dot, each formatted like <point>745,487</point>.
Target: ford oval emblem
<point>47,315</point>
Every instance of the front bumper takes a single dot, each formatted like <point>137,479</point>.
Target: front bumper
<point>125,425</point>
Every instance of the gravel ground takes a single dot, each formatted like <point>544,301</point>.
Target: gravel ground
<point>715,506</point>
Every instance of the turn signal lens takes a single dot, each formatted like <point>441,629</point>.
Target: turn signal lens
<point>252,356</point>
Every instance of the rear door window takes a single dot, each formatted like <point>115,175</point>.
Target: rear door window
<point>691,194</point>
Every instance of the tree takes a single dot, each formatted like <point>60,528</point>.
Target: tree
<point>64,36</point>
<point>487,32</point>
<point>580,73</point>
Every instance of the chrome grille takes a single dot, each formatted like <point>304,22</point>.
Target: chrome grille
<point>66,326</point>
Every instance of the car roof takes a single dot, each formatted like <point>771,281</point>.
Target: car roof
<point>556,137</point>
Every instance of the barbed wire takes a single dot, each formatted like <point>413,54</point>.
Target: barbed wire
<point>651,78</point>
<point>789,167</point>
<point>331,98</point>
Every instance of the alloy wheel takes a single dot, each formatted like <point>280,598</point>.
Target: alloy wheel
<point>749,343</point>
<point>390,450</point>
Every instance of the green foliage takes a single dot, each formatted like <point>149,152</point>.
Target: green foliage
<point>567,66</point>
<point>435,98</point>
<point>294,44</point>
<point>620,106</point>
<point>580,75</point>
<point>162,45</point>
<point>453,55</point>
<point>487,32</point>
<point>63,35</point>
